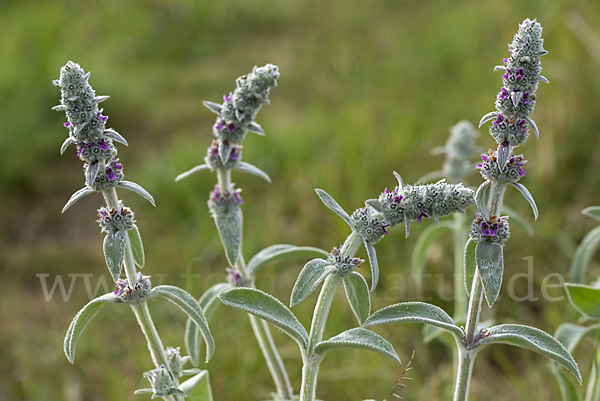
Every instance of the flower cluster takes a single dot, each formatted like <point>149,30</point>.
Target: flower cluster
<point>369,224</point>
<point>516,99</point>
<point>176,361</point>
<point>236,279</point>
<point>213,161</point>
<point>511,173</point>
<point>495,229</point>
<point>87,128</point>
<point>115,220</point>
<point>162,382</point>
<point>415,202</point>
<point>459,149</point>
<point>135,293</point>
<point>344,264</point>
<point>224,201</point>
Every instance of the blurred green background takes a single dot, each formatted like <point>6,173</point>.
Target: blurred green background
<point>366,88</point>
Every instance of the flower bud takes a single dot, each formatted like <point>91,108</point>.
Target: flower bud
<point>133,293</point>
<point>344,264</point>
<point>512,172</point>
<point>213,160</point>
<point>369,224</point>
<point>162,382</point>
<point>176,361</point>
<point>115,220</point>
<point>495,229</point>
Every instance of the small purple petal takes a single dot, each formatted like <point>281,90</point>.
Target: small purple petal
<point>67,124</point>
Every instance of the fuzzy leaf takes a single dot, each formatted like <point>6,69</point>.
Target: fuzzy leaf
<point>490,263</point>
<point>313,274</point>
<point>276,253</point>
<point>481,198</point>
<point>208,303</point>
<point>358,338</point>
<point>69,141</point>
<point>470,264</point>
<point>543,79</point>
<point>517,218</point>
<point>251,169</point>
<point>197,388</point>
<point>584,298</point>
<point>114,251</point>
<point>375,204</point>
<point>76,196</point>
<point>427,237</point>
<point>504,151</point>
<point>212,106</point>
<point>256,128</point>
<point>357,292</point>
<point>414,312</point>
<point>527,195</point>
<point>534,340</point>
<point>266,307</point>
<point>82,319</point>
<point>592,211</point>
<point>333,205</point>
<point>489,116</point>
<point>374,264</point>
<point>224,151</point>
<point>533,127</point>
<point>191,171</point>
<point>132,186</point>
<point>187,304</point>
<point>570,335</point>
<point>583,254</point>
<point>135,239</point>
<point>229,225</point>
<point>400,182</point>
<point>91,172</point>
<point>115,136</point>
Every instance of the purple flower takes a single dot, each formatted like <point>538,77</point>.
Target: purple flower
<point>520,73</point>
<point>233,277</point>
<point>101,117</point>
<point>67,124</point>
<point>522,125</point>
<point>227,98</point>
<point>499,119</point>
<point>503,94</point>
<point>237,197</point>
<point>419,217</point>
<point>219,125</point>
<point>508,72</point>
<point>103,144</point>
<point>485,159</point>
<point>230,128</point>
<point>234,154</point>
<point>215,195</point>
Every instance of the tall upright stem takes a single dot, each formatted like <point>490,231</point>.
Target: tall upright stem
<point>460,296</point>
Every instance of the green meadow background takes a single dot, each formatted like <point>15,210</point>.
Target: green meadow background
<point>366,88</point>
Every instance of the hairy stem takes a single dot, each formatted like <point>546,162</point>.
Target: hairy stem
<point>460,296</point>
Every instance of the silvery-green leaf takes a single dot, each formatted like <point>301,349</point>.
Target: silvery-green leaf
<point>188,372</point>
<point>470,264</point>
<point>517,218</point>
<point>69,141</point>
<point>143,391</point>
<point>570,335</point>
<point>516,97</point>
<point>100,99</point>
<point>333,205</point>
<point>481,198</point>
<point>357,292</point>
<point>313,273</point>
<point>224,151</point>
<point>135,239</point>
<point>187,304</point>
<point>533,127</point>
<point>414,312</point>
<point>191,171</point>
<point>374,264</point>
<point>358,338</point>
<point>527,195</point>
<point>504,151</point>
<point>406,226</point>
<point>115,136</point>
<point>490,263</point>
<point>76,196</point>
<point>114,251</point>
<point>375,204</point>
<point>212,106</point>
<point>592,211</point>
<point>499,68</point>
<point>583,254</point>
<point>534,340</point>
<point>427,237</point>
<point>543,79</point>
<point>208,303</point>
<point>229,225</point>
<point>91,172</point>
<point>584,298</point>
<point>60,107</point>
<point>489,116</point>
<point>82,319</point>
<point>266,307</point>
<point>132,186</point>
<point>400,182</point>
<point>276,253</point>
<point>251,169</point>
<point>256,128</point>
<point>197,388</point>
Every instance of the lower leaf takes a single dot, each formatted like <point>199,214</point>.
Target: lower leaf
<point>358,338</point>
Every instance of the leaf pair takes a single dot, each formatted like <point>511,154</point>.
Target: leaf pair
<point>355,286</point>
<point>115,245</point>
<point>132,186</point>
<point>273,311</point>
<point>176,295</point>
